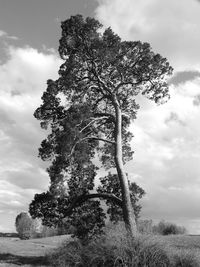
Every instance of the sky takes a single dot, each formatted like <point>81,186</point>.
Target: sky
<point>166,141</point>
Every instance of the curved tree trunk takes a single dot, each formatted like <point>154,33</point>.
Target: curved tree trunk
<point>128,213</point>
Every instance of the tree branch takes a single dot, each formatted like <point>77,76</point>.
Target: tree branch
<point>92,138</point>
<point>99,139</point>
<point>91,122</point>
<point>104,114</point>
<point>126,83</point>
<point>83,198</point>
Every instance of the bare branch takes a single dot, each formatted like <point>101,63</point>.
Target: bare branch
<point>87,138</point>
<point>104,114</point>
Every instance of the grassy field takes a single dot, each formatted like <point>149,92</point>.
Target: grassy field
<point>15,252</point>
<point>183,241</point>
<point>33,252</point>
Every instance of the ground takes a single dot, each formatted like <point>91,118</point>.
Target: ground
<point>27,253</point>
<point>32,253</point>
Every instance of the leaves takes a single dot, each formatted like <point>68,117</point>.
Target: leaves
<point>110,184</point>
<point>99,79</point>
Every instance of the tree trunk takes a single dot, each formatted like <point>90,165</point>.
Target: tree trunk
<point>128,213</point>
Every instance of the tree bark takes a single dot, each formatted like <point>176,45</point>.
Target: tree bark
<point>128,213</point>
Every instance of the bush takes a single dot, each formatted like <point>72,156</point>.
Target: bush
<point>167,228</point>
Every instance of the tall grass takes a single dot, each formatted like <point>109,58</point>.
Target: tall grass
<point>115,248</point>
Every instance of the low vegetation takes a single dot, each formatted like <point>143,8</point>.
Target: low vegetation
<point>115,248</point>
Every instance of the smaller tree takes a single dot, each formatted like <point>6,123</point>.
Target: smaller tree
<point>23,224</point>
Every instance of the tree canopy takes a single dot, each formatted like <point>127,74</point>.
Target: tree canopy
<point>89,109</point>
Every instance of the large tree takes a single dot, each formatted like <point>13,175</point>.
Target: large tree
<point>90,106</point>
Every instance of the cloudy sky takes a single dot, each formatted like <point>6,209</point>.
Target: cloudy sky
<point>167,138</point>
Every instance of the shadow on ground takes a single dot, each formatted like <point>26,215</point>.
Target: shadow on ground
<point>22,260</point>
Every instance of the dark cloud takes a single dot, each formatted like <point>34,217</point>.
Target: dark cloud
<point>37,21</point>
<point>184,76</point>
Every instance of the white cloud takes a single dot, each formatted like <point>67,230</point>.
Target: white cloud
<point>22,81</point>
<point>171,27</point>
<point>166,158</point>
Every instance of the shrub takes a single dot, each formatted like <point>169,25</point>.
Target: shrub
<point>167,228</point>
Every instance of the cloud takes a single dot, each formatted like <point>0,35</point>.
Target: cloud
<point>6,36</point>
<point>2,33</point>
<point>166,160</point>
<point>22,81</point>
<point>184,76</point>
<point>171,27</point>
<point>173,117</point>
<point>32,177</point>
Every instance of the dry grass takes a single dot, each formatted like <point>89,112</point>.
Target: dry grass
<point>27,253</point>
<point>115,248</point>
<point>31,247</point>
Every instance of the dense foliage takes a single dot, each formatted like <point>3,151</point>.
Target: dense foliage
<point>88,110</point>
<point>110,184</point>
